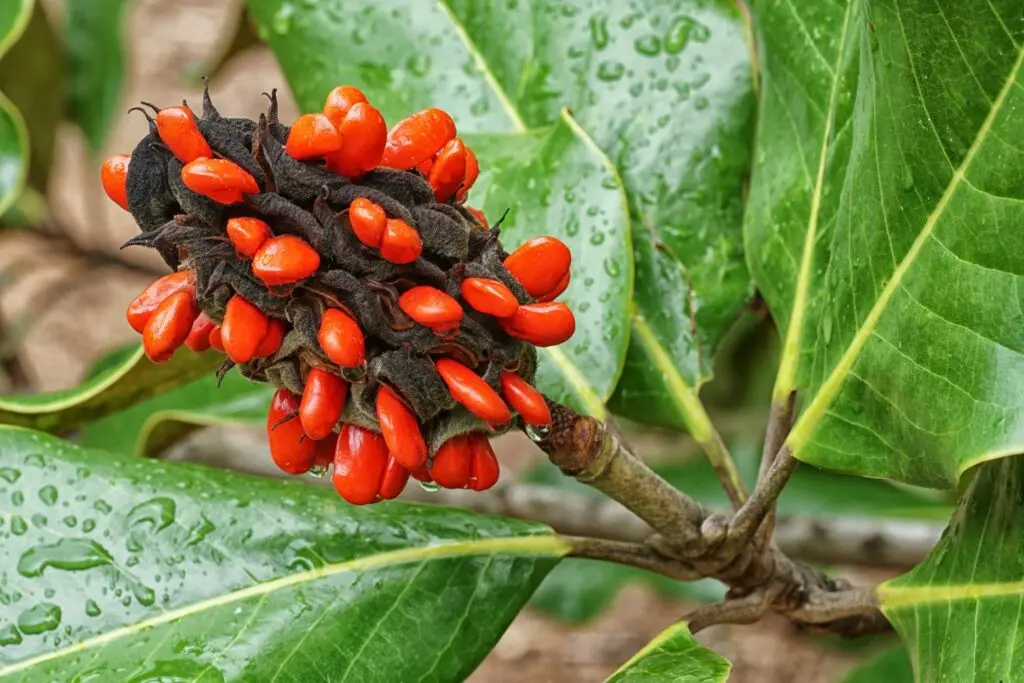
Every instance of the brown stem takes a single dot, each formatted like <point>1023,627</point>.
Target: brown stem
<point>760,577</point>
<point>633,554</point>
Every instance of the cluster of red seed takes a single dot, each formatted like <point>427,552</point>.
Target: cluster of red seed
<point>420,324</point>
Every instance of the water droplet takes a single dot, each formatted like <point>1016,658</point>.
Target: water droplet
<point>88,525</point>
<point>10,635</point>
<point>70,554</point>
<point>599,31</point>
<point>317,471</point>
<point>538,433</point>
<point>144,594</point>
<point>39,520</point>
<point>611,71</point>
<point>597,238</point>
<point>701,103</point>
<point>648,45</point>
<point>70,521</point>
<point>17,498</point>
<point>907,178</point>
<point>418,64</point>
<point>92,609</point>
<point>429,486</point>
<point>9,474</point>
<point>158,513</point>
<point>281,23</point>
<point>39,619</point>
<point>48,494</point>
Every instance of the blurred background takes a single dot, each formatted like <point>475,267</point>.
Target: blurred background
<point>64,287</point>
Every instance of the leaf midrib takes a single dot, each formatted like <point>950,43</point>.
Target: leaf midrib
<point>896,597</point>
<point>785,380</point>
<point>541,545</point>
<point>828,390</point>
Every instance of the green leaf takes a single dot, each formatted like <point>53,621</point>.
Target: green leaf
<point>892,666</point>
<point>884,228</point>
<point>92,36</point>
<point>961,612</point>
<point>14,151</point>
<point>149,427</point>
<point>664,92</point>
<point>674,657</point>
<point>124,381</point>
<point>124,568</point>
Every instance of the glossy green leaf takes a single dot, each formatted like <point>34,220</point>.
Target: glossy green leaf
<point>892,666</point>
<point>673,657</point>
<point>663,89</point>
<point>124,381</point>
<point>884,228</point>
<point>92,36</point>
<point>961,612</point>
<point>149,427</point>
<point>129,569</point>
<point>14,151</point>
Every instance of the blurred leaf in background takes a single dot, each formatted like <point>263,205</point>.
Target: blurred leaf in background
<point>14,148</point>
<point>95,56</point>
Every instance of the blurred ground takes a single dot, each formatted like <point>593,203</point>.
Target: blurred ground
<point>63,312</point>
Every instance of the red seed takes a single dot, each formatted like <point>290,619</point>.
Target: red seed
<point>323,399</point>
<point>400,429</point>
<point>169,326</point>
<point>479,215</point>
<point>340,100</point>
<point>539,264</point>
<point>215,341</point>
<point>470,389</point>
<point>341,339</point>
<point>400,243</point>
<point>365,134</point>
<point>177,129</point>
<point>450,468</point>
<point>417,138</point>
<point>368,221</point>
<point>271,342</point>
<point>140,310</point>
<point>489,296</point>
<point>312,136</point>
<point>290,449</point>
<point>325,449</point>
<point>243,329</point>
<point>114,177</point>
<point>449,170</point>
<point>247,234</point>
<point>285,260</point>
<point>557,291</point>
<point>431,308</point>
<point>221,180</point>
<point>525,400</point>
<point>394,481</point>
<point>472,173</point>
<point>199,337</point>
<point>547,324</point>
<point>425,166</point>
<point>360,462</point>
<point>483,469</point>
